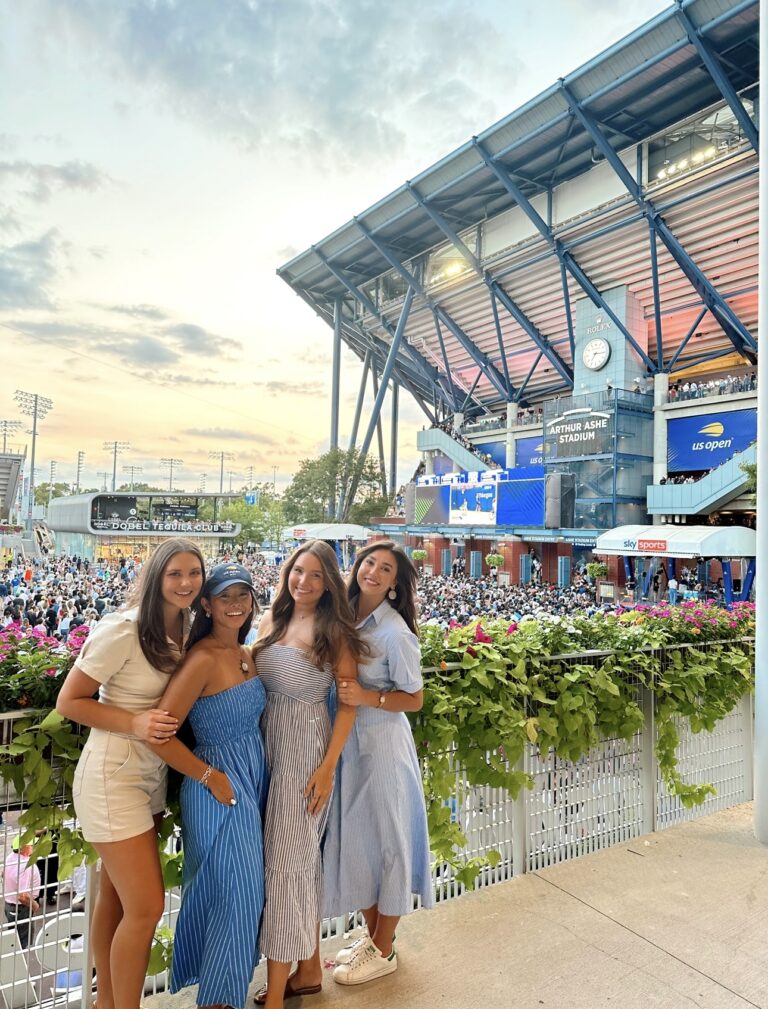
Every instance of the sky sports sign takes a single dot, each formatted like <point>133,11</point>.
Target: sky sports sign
<point>708,440</point>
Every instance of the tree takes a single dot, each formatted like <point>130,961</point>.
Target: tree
<point>140,488</point>
<point>250,517</point>
<point>59,490</point>
<point>321,481</point>
<point>750,469</point>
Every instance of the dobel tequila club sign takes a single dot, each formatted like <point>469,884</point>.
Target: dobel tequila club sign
<point>132,525</point>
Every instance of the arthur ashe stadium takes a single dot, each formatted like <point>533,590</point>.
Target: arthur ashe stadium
<point>571,299</point>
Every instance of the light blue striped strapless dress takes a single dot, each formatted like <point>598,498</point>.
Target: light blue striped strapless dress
<point>216,941</point>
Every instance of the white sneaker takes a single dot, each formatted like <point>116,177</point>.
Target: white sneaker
<point>366,965</point>
<point>346,953</point>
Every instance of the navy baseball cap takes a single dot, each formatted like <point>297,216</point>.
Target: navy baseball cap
<point>224,575</point>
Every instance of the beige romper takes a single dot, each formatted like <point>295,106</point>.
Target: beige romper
<point>119,782</point>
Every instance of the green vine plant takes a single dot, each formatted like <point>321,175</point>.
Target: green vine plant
<point>491,690</point>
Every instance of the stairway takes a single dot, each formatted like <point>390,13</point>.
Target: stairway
<point>717,488</point>
<point>11,466</point>
<point>435,440</point>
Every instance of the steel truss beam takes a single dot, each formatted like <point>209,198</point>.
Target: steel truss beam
<point>726,318</point>
<point>711,61</point>
<point>386,375</point>
<point>499,382</point>
<point>565,257</point>
<point>495,288</point>
<point>482,360</point>
<point>429,372</point>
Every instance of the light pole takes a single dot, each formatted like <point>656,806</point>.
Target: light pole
<point>221,456</point>
<point>80,461</point>
<point>8,427</point>
<point>133,470</point>
<point>230,474</point>
<point>114,447</point>
<point>249,471</point>
<point>203,478</point>
<point>50,481</point>
<point>170,463</point>
<point>35,406</point>
<point>104,475</point>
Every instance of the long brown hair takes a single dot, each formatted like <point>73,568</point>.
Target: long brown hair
<point>334,622</point>
<point>147,596</point>
<point>407,580</point>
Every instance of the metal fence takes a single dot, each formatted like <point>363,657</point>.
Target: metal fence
<point>613,794</point>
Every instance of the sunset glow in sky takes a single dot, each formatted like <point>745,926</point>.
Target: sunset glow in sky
<point>159,160</point>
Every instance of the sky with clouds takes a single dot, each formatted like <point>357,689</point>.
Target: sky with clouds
<point>159,159</point>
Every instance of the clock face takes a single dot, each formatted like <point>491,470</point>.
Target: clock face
<point>596,354</point>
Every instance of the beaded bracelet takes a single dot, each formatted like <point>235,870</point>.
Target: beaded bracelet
<point>206,775</point>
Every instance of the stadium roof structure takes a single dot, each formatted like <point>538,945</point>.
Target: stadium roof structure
<point>415,288</point>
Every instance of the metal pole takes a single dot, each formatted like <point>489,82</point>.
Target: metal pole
<point>32,465</point>
<point>380,440</point>
<point>335,374</point>
<point>393,439</point>
<point>80,461</point>
<point>760,804</point>
<point>221,475</point>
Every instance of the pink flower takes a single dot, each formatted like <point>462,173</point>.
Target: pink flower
<point>481,636</point>
<point>512,628</point>
<point>471,651</point>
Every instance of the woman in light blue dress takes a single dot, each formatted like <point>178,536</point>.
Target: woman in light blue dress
<point>223,796</point>
<point>376,855</point>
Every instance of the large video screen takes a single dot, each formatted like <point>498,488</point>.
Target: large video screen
<point>709,440</point>
<point>431,506</point>
<point>473,504</point>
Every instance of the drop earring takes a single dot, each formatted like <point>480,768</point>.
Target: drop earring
<point>392,594</point>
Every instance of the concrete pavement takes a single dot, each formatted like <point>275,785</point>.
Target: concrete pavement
<point>672,920</point>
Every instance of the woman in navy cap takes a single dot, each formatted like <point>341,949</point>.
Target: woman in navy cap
<point>222,795</point>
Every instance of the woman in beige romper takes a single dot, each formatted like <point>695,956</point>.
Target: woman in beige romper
<point>119,784</point>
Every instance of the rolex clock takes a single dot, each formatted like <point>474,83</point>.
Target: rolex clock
<point>596,354</point>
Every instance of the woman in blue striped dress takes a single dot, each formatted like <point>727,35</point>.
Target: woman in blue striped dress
<point>306,641</point>
<point>223,796</point>
<point>376,855</point>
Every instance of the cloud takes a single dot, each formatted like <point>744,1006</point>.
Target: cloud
<point>231,434</point>
<point>182,379</point>
<point>279,388</point>
<point>27,271</point>
<point>195,340</point>
<point>42,181</point>
<point>341,77</point>
<point>139,311</point>
<point>138,350</point>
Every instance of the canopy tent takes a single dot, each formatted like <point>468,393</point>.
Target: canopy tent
<point>329,531</point>
<point>678,541</point>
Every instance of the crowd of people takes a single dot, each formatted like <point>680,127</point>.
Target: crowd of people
<point>447,600</point>
<point>483,457</point>
<point>722,386</point>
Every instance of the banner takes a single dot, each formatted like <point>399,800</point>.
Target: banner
<point>473,504</point>
<point>521,503</point>
<point>708,440</point>
<point>579,432</point>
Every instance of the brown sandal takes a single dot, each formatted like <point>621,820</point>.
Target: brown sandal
<point>290,992</point>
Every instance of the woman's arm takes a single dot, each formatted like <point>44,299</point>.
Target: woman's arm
<point>320,785</point>
<point>76,702</point>
<point>353,694</point>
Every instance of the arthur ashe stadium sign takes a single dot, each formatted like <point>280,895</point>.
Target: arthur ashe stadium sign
<point>579,432</point>
<point>173,527</point>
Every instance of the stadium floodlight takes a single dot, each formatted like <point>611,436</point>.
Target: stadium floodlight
<point>115,447</point>
<point>221,456</point>
<point>133,470</point>
<point>8,427</point>
<point>170,463</point>
<point>35,406</point>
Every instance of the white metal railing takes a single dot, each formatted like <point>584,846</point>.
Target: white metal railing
<point>613,794</point>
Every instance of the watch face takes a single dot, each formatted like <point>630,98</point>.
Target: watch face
<point>596,354</point>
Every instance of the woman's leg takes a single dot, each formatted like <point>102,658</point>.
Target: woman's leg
<point>386,925</point>
<point>277,976</point>
<point>371,915</point>
<point>309,972</point>
<point>133,867</point>
<point>107,913</point>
